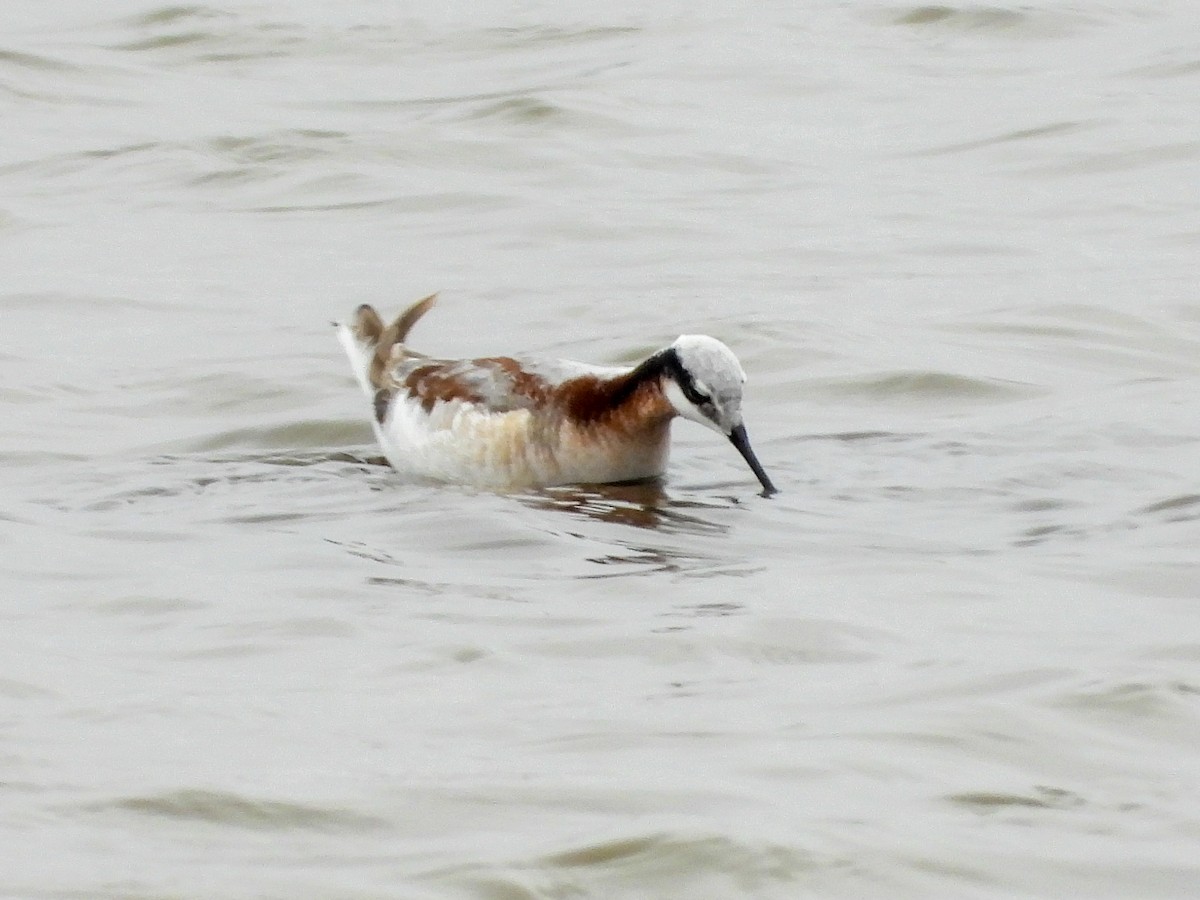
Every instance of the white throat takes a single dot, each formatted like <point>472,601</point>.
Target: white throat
<point>685,407</point>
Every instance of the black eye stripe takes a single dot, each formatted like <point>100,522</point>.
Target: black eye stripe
<point>667,362</point>
<point>683,378</point>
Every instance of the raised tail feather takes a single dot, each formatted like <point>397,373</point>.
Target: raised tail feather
<point>370,344</point>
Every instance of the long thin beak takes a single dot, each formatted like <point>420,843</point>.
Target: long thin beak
<point>738,438</point>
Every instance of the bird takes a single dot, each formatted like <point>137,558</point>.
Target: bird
<point>522,422</point>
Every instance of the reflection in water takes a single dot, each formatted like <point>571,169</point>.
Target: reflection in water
<point>608,531</point>
<point>641,504</point>
<point>669,541</point>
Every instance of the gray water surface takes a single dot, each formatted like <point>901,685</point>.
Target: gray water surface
<point>954,247</point>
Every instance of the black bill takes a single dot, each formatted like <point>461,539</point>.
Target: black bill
<point>738,438</point>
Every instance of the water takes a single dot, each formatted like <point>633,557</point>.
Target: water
<point>954,247</point>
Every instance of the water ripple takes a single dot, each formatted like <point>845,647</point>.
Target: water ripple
<point>235,810</point>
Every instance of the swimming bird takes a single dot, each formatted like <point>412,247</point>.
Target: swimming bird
<point>516,422</point>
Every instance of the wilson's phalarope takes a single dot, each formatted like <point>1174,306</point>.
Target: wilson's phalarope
<point>511,422</point>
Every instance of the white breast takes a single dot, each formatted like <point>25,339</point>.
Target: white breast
<point>461,442</point>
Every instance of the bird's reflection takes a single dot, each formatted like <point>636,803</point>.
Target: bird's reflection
<point>639,504</point>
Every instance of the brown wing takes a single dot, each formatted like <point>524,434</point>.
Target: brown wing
<point>498,384</point>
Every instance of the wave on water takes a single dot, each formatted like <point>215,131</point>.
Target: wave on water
<point>923,386</point>
<point>665,863</point>
<point>235,810</point>
<point>1001,21</point>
